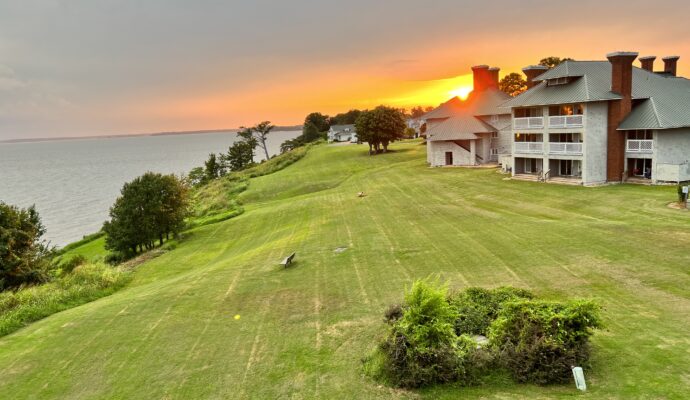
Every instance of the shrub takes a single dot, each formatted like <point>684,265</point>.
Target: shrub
<point>478,307</point>
<point>73,262</point>
<point>539,341</point>
<point>86,283</point>
<point>393,313</point>
<point>420,348</point>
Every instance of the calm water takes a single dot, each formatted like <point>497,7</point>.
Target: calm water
<point>74,182</point>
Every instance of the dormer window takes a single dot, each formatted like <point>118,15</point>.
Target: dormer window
<point>557,81</point>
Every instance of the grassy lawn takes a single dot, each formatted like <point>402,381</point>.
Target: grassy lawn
<point>303,331</point>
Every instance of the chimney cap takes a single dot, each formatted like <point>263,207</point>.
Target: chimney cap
<point>494,69</point>
<point>535,67</point>
<point>483,66</point>
<point>647,58</point>
<point>670,58</point>
<point>623,54</point>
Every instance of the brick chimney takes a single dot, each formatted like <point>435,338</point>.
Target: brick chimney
<point>533,71</point>
<point>481,78</point>
<point>648,63</point>
<point>671,65</point>
<point>621,83</point>
<point>493,77</point>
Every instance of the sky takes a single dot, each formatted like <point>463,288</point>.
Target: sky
<point>104,67</point>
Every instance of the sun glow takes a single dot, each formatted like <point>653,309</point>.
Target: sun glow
<point>461,92</point>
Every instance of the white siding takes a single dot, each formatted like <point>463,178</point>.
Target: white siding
<point>595,143</point>
<point>436,153</point>
<point>671,155</point>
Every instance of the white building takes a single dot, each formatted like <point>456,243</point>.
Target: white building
<point>471,132</point>
<point>342,133</point>
<point>592,122</point>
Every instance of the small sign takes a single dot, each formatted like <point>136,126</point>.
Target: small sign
<point>685,190</point>
<point>579,378</point>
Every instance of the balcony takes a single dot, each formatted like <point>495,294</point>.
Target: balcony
<point>639,146</point>
<point>528,123</point>
<point>565,121</point>
<point>529,147</point>
<point>568,149</point>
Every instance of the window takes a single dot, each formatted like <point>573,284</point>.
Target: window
<point>642,167</point>
<point>494,135</point>
<point>564,138</point>
<point>494,120</point>
<point>494,152</point>
<point>530,165</point>
<point>557,81</point>
<point>566,167</point>
<point>528,137</point>
<point>640,135</point>
<point>566,109</point>
<point>528,112</point>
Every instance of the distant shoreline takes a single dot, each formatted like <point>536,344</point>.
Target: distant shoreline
<point>172,133</point>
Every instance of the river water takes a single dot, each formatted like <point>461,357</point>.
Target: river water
<point>73,183</point>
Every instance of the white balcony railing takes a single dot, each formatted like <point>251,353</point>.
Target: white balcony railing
<point>574,149</point>
<point>565,121</point>
<point>529,147</point>
<point>639,146</point>
<point>528,123</point>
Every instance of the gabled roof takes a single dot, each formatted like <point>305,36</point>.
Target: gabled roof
<point>590,81</point>
<point>486,102</point>
<point>462,117</point>
<point>445,110</point>
<point>667,103</point>
<point>665,100</point>
<point>342,128</point>
<point>459,127</point>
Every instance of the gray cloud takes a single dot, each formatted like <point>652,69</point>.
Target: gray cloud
<point>69,63</point>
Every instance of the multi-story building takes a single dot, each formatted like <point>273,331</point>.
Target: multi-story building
<point>592,122</point>
<point>470,132</point>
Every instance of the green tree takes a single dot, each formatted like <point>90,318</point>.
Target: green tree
<point>258,132</point>
<point>347,118</point>
<point>197,176</point>
<point>380,127</point>
<point>553,61</point>
<point>318,120</point>
<point>150,208</point>
<point>212,167</point>
<point>418,111</point>
<point>311,132</point>
<point>513,84</point>
<point>240,155</point>
<point>24,256</point>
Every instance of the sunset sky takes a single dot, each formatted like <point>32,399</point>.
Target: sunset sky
<point>92,67</point>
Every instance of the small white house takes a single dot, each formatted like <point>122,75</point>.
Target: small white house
<point>342,133</point>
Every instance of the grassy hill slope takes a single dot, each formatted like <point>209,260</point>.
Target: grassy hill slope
<point>303,331</point>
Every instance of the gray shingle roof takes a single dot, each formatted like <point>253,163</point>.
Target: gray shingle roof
<point>459,127</point>
<point>342,128</point>
<point>665,100</point>
<point>462,117</point>
<point>591,81</point>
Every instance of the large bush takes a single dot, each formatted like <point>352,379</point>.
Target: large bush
<point>421,347</point>
<point>430,339</point>
<point>478,307</point>
<point>539,341</point>
<point>24,257</point>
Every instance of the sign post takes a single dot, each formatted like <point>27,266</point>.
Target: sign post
<point>579,379</point>
<point>685,197</point>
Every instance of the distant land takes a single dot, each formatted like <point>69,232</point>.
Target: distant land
<point>50,139</point>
